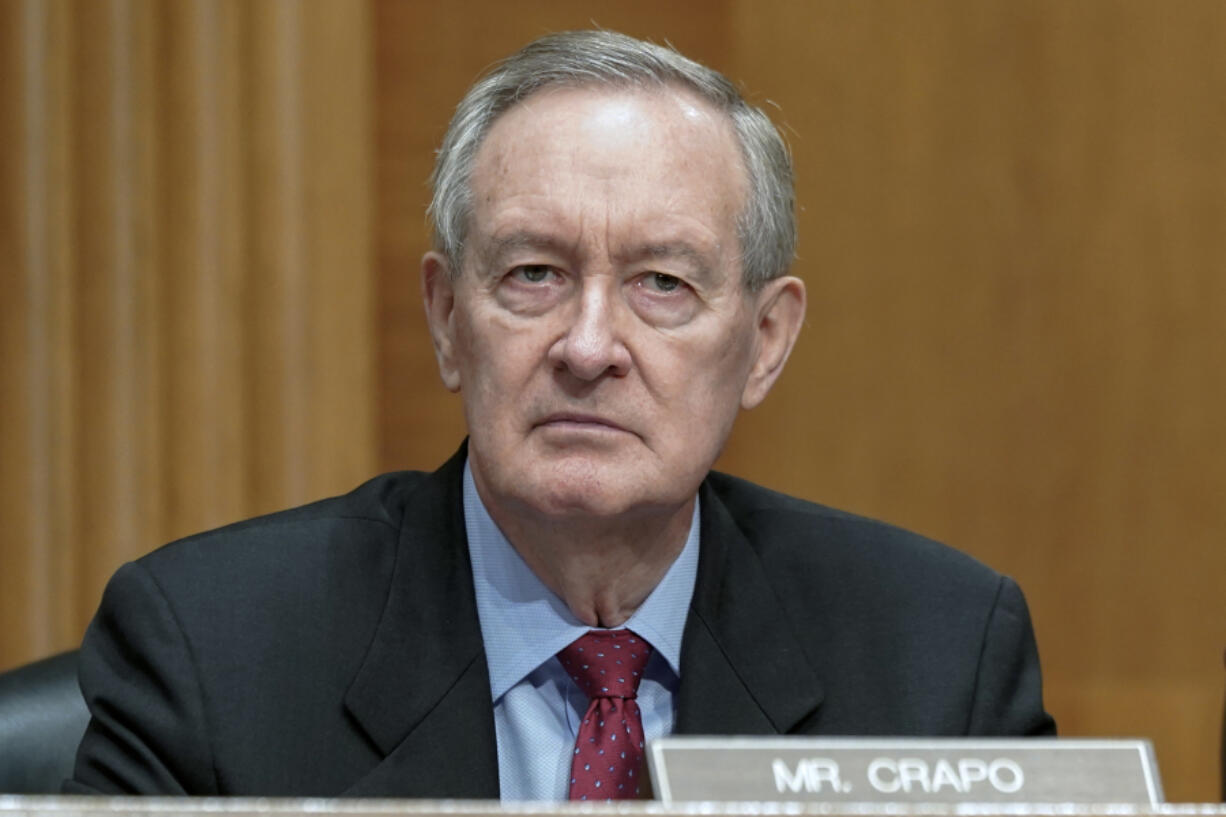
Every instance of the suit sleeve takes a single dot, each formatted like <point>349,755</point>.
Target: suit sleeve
<point>1009,691</point>
<point>147,732</point>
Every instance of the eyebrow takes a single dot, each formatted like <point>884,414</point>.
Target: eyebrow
<point>649,251</point>
<point>520,239</point>
<point>668,250</point>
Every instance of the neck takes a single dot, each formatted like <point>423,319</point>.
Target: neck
<point>604,568</point>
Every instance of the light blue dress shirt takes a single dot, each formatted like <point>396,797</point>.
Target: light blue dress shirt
<point>537,708</point>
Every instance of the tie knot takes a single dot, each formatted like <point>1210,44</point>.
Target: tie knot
<point>606,663</point>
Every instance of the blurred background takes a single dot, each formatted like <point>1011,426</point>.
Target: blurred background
<point>1013,230</point>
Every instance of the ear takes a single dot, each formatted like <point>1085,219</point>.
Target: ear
<point>780,311</point>
<point>438,293</point>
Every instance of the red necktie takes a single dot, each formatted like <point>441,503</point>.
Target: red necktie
<point>608,758</point>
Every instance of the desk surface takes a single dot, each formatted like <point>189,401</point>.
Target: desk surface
<point>43,806</point>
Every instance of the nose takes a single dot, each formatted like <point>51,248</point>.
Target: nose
<point>592,344</point>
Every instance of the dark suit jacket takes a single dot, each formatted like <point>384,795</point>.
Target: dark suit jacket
<point>334,649</point>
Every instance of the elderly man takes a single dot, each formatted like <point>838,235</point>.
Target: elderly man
<point>608,288</point>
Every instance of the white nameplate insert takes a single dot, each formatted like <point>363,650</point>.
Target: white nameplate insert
<point>903,770</point>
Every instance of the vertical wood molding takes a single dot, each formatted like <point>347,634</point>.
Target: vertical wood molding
<point>40,580</point>
<point>121,204</point>
<point>61,252</point>
<point>278,299</point>
<point>292,268</point>
<point>20,212</point>
<point>38,397</point>
<point>37,453</point>
<point>91,277</point>
<point>142,151</point>
<point>338,147</point>
<point>170,207</point>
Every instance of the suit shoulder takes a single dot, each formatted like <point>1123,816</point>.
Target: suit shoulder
<point>310,571</point>
<point>379,500</point>
<point>793,532</point>
<point>907,636</point>
<point>338,536</point>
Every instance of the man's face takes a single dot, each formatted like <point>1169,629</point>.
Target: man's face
<point>599,331</point>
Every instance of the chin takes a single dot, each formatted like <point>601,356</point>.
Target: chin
<point>586,482</point>
<point>561,496</point>
<point>582,488</point>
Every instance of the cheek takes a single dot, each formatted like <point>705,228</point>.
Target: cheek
<point>729,358</point>
<point>728,364</point>
<point>498,352</point>
<point>702,388</point>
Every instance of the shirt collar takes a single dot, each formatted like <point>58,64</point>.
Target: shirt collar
<point>524,624</point>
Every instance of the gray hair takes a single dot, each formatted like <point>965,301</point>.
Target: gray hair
<point>766,226</point>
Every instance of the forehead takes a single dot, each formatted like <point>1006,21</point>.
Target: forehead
<point>624,159</point>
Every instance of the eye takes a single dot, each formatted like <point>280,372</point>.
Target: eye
<point>531,289</point>
<point>663,282</point>
<point>663,300</point>
<point>532,273</point>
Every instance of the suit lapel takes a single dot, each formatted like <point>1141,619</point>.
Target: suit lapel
<point>743,672</point>
<point>422,694</point>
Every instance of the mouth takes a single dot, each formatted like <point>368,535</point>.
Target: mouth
<point>573,421</point>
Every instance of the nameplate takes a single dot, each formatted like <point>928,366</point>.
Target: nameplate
<point>904,770</point>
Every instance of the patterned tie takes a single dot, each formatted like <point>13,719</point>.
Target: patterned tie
<point>608,665</point>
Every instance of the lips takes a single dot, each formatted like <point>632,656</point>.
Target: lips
<point>579,421</point>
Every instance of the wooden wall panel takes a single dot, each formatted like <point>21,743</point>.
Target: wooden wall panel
<point>37,456</point>
<point>198,188</point>
<point>17,392</point>
<point>1013,228</point>
<point>187,211</point>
